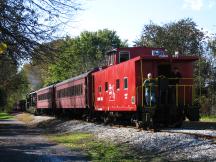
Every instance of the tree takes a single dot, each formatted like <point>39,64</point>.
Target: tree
<point>13,85</point>
<point>182,36</point>
<point>26,24</point>
<point>26,27</point>
<point>80,54</point>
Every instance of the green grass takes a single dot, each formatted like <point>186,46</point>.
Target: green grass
<point>208,118</point>
<point>4,116</point>
<point>96,150</point>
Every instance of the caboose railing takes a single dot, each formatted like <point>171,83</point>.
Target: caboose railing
<point>178,88</point>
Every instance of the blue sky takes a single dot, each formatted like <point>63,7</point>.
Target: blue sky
<point>127,17</point>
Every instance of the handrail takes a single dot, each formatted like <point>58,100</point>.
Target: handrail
<point>177,86</point>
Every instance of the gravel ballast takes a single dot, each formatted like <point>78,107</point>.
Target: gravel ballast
<point>172,146</point>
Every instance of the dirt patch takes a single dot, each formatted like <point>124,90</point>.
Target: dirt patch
<point>25,117</point>
<point>31,120</point>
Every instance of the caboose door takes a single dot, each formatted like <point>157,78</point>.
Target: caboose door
<point>164,69</point>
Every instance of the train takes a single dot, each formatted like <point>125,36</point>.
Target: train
<point>117,90</point>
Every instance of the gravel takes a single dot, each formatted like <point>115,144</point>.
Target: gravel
<point>172,146</point>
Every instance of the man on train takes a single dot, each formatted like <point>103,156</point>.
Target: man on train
<point>149,85</point>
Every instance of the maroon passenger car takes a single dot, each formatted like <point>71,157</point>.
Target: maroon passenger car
<point>45,98</point>
<point>74,93</point>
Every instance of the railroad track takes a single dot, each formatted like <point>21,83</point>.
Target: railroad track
<point>198,135</point>
<point>189,128</point>
<point>209,134</point>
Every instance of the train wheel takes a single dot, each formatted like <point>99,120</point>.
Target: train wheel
<point>138,124</point>
<point>108,118</point>
<point>105,120</point>
<point>36,112</point>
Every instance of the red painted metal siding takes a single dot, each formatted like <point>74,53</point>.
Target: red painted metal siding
<point>45,103</point>
<point>136,51</point>
<point>75,101</point>
<point>113,99</point>
<point>185,66</point>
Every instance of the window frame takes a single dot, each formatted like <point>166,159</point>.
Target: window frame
<point>118,84</point>
<point>121,53</point>
<point>125,78</point>
<point>100,89</point>
<point>106,86</point>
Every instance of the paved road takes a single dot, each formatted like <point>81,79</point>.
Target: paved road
<point>21,144</point>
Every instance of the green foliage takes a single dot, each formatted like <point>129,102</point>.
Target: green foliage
<point>13,84</point>
<point>206,79</point>
<point>212,46</point>
<point>80,54</point>
<point>3,47</point>
<point>22,36</point>
<point>3,98</point>
<point>182,36</point>
<point>21,30</point>
<point>16,90</point>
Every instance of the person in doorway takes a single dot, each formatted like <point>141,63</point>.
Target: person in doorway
<point>149,85</point>
<point>163,86</point>
<point>174,82</point>
<point>176,75</point>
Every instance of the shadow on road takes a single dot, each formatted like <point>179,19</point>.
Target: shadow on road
<point>19,143</point>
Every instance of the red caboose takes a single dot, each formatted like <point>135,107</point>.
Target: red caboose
<point>119,87</point>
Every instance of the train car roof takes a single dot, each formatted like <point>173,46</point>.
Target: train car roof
<point>75,78</point>
<point>31,92</point>
<point>44,88</point>
<point>156,58</point>
<point>170,57</point>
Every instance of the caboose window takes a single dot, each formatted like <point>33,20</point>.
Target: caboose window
<point>100,89</point>
<point>106,86</point>
<point>124,56</point>
<point>125,83</point>
<point>117,84</point>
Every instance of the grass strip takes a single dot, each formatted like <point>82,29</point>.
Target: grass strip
<point>5,116</point>
<point>97,150</point>
<point>208,118</point>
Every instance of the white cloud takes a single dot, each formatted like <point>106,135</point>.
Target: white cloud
<point>193,4</point>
